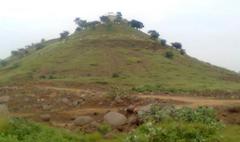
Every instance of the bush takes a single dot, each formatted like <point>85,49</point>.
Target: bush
<point>117,92</point>
<point>104,129</point>
<point>115,75</point>
<point>154,34</point>
<point>200,115</point>
<point>169,55</point>
<point>148,88</point>
<point>168,124</point>
<point>173,132</point>
<point>163,42</point>
<point>182,52</point>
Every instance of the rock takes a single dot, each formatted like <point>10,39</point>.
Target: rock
<point>144,109</point>
<point>45,117</point>
<point>82,120</point>
<point>4,110</point>
<point>130,109</point>
<point>115,118</point>
<point>4,99</point>
<point>133,120</point>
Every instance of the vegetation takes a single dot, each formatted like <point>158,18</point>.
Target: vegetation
<point>115,53</point>
<point>163,42</point>
<point>154,34</point>
<point>19,130</point>
<point>64,35</point>
<point>169,55</point>
<point>171,125</point>
<point>136,24</point>
<point>177,45</point>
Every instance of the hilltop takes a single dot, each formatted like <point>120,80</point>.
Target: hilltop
<point>119,55</point>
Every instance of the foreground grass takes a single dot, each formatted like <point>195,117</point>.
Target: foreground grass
<point>18,130</point>
<point>231,133</point>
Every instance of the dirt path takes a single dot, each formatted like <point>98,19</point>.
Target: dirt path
<point>194,101</point>
<point>190,101</point>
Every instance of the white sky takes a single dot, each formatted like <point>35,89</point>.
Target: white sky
<point>208,29</point>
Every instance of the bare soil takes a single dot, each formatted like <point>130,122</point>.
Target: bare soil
<point>65,104</point>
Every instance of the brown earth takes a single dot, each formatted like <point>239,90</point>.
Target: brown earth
<point>63,105</point>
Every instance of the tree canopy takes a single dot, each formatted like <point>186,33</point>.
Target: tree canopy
<point>64,35</point>
<point>136,24</point>
<point>154,34</point>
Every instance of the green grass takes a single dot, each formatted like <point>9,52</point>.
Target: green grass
<point>231,133</point>
<point>19,130</point>
<point>94,55</point>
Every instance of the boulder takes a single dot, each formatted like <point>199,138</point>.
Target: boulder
<point>143,109</point>
<point>133,120</point>
<point>83,120</point>
<point>115,118</point>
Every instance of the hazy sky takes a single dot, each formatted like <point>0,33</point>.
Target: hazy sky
<point>208,29</point>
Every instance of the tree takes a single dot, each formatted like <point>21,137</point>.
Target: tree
<point>136,24</point>
<point>177,45</point>
<point>64,35</point>
<point>82,24</point>
<point>163,42</point>
<point>154,34</point>
<point>182,51</point>
<point>169,54</point>
<point>43,40</point>
<point>2,63</point>
<point>104,19</point>
<point>93,24</point>
<point>118,17</point>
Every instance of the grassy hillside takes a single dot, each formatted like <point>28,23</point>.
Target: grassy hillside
<point>116,55</point>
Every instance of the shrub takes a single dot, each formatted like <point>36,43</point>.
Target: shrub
<point>182,51</point>
<point>169,55</point>
<point>177,45</point>
<point>64,35</point>
<point>117,92</point>
<point>173,132</point>
<point>154,34</point>
<point>104,129</point>
<point>168,124</point>
<point>115,75</point>
<point>3,63</point>
<point>163,42</point>
<point>136,24</point>
<point>148,88</point>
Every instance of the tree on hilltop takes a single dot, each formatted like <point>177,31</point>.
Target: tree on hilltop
<point>64,35</point>
<point>177,45</point>
<point>136,24</point>
<point>104,19</point>
<point>163,42</point>
<point>82,24</point>
<point>154,34</point>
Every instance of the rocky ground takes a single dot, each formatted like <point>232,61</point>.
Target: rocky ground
<point>88,109</point>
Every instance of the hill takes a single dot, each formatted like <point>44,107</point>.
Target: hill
<point>115,54</point>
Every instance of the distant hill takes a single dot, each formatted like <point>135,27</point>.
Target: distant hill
<point>115,54</point>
